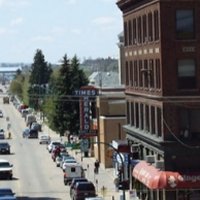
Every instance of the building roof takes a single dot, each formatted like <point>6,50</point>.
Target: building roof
<point>105,79</point>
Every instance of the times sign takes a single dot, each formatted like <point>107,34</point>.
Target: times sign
<point>87,95</point>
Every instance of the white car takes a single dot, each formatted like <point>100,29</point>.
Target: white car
<point>44,139</point>
<point>52,143</point>
<point>6,169</point>
<point>67,162</point>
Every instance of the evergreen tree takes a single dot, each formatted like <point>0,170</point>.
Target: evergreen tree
<point>39,77</point>
<point>66,113</point>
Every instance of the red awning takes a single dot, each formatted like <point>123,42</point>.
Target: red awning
<point>154,178</point>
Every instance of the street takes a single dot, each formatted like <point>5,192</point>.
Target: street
<point>35,175</point>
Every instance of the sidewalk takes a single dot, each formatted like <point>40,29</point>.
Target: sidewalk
<point>104,180</point>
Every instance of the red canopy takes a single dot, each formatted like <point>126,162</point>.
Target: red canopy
<point>154,178</point>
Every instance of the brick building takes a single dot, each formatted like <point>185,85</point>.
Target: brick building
<point>162,80</point>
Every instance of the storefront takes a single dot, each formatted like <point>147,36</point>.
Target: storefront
<point>153,183</point>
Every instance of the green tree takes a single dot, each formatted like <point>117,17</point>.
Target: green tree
<point>66,107</point>
<point>39,77</point>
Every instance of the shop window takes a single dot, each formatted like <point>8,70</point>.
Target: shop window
<point>185,24</point>
<point>186,74</point>
<point>132,114</point>
<point>141,116</point>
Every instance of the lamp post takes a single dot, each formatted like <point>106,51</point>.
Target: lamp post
<point>122,163</point>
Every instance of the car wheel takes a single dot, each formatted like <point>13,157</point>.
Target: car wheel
<point>65,182</point>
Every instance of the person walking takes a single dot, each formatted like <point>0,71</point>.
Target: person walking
<point>96,167</point>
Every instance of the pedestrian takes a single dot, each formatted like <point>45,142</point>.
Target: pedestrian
<point>96,167</point>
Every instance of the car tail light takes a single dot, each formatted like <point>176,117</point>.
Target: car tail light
<point>65,174</point>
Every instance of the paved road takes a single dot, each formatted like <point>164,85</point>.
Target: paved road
<point>35,174</point>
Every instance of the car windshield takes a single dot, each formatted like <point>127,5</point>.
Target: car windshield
<point>4,164</point>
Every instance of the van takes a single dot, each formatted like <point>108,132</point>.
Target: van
<point>72,170</point>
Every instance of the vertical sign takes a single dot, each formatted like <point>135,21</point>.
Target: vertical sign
<point>86,94</point>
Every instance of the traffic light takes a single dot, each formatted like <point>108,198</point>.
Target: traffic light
<point>123,185</point>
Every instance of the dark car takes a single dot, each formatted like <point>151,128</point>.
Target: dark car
<point>82,190</point>
<point>33,133</point>
<point>6,171</point>
<point>74,181</point>
<point>4,147</point>
<point>7,194</point>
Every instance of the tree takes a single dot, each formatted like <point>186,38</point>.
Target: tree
<point>39,77</point>
<point>66,113</point>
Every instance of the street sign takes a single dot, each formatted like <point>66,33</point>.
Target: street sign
<point>84,145</point>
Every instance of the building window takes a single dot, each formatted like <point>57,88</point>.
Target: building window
<point>128,112</point>
<point>144,29</point>
<point>132,114</point>
<point>136,115</point>
<point>159,122</point>
<point>151,73</point>
<point>127,74</point>
<point>134,32</point>
<point>145,78</point>
<point>146,126</point>
<point>129,33</point>
<point>131,73</point>
<point>139,30</point>
<point>185,24</point>
<point>157,73</point>
<point>135,73</point>
<point>150,27</point>
<point>141,116</point>
<point>140,73</point>
<point>186,74</point>
<point>152,119</point>
<point>156,25</point>
<point>125,34</point>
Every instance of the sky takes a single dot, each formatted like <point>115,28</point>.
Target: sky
<point>85,28</point>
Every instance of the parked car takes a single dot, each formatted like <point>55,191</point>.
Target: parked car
<point>36,126</point>
<point>72,170</point>
<point>59,158</point>
<point>7,194</point>
<point>1,114</point>
<point>25,132</point>
<point>33,133</point>
<point>64,157</point>
<point>74,181</point>
<point>4,147</point>
<point>44,138</point>
<point>68,161</point>
<point>52,143</point>
<point>6,169</point>
<point>83,190</point>
<point>2,134</point>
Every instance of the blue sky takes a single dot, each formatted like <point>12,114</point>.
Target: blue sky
<point>87,28</point>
